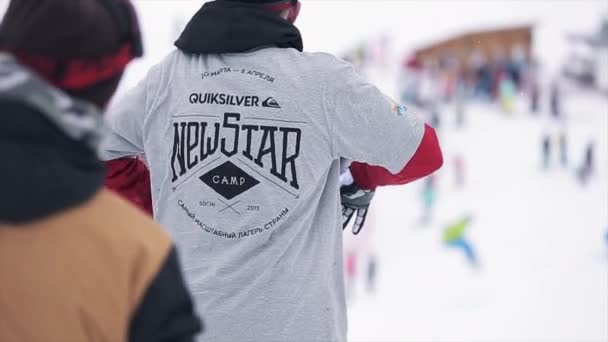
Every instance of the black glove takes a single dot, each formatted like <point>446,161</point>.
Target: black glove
<point>355,199</point>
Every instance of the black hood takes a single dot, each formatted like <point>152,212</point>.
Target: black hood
<point>43,172</point>
<point>233,27</point>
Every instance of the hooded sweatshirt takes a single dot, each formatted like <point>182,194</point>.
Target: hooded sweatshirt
<point>246,136</point>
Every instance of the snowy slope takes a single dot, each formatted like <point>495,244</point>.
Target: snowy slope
<point>540,239</point>
<point>540,236</point>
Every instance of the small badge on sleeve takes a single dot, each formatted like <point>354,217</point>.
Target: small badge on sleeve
<point>399,109</point>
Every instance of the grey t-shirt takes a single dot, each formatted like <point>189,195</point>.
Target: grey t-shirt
<point>245,152</point>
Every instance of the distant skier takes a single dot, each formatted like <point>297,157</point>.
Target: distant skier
<point>586,169</point>
<point>350,271</point>
<point>428,198</point>
<point>546,150</point>
<point>507,94</point>
<point>556,100</point>
<point>534,88</point>
<point>534,98</point>
<point>454,237</point>
<point>460,106</point>
<point>372,272</point>
<point>409,80</point>
<point>563,149</point>
<point>435,116</point>
<point>483,88</point>
<point>459,172</point>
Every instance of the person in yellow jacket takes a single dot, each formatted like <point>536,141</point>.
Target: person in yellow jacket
<point>77,263</point>
<point>454,237</point>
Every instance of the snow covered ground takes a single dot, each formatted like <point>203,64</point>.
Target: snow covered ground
<point>540,239</point>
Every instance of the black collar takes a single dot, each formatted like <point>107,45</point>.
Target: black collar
<point>233,27</point>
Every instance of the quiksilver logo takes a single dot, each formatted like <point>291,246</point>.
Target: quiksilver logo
<point>270,103</point>
<point>224,99</point>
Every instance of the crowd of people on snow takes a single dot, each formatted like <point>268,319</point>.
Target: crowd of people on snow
<point>509,79</point>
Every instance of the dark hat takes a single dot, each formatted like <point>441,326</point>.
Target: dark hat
<point>59,28</point>
<point>72,43</point>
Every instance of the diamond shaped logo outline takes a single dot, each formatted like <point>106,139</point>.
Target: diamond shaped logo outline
<point>229,180</point>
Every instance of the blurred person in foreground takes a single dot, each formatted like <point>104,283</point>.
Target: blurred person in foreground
<point>77,263</point>
<point>246,137</point>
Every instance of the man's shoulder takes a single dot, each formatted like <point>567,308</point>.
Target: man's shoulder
<point>322,56</point>
<point>318,59</point>
<point>324,60</point>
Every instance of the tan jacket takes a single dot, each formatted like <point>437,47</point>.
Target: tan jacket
<point>79,275</point>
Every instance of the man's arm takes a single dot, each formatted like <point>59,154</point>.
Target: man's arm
<point>358,193</point>
<point>370,128</point>
<point>130,178</point>
<point>127,175</point>
<point>427,159</point>
<point>126,118</point>
<point>388,144</point>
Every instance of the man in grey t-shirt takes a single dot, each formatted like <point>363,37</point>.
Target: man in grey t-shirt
<point>246,137</point>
